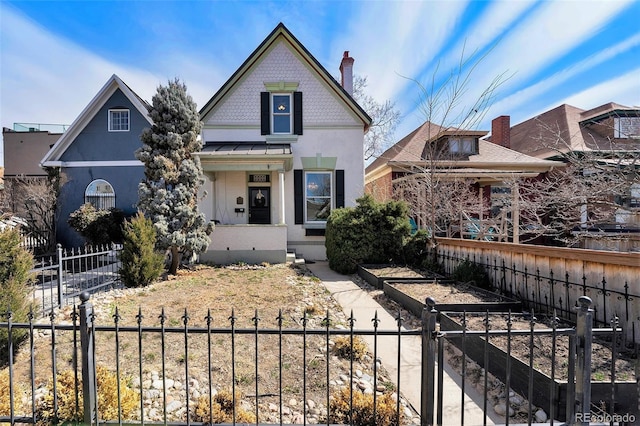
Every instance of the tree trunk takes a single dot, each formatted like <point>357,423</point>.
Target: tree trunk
<point>175,260</point>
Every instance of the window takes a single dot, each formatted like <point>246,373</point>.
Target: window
<point>118,120</point>
<point>626,127</point>
<point>100,194</point>
<point>281,113</point>
<point>461,145</point>
<point>317,196</point>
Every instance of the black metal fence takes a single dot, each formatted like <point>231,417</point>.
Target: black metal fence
<point>73,344</point>
<point>557,291</point>
<point>59,279</point>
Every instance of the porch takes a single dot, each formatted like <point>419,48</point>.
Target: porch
<point>249,243</point>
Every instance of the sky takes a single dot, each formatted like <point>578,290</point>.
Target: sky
<point>56,55</point>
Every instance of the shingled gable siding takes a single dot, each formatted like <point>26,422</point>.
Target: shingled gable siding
<point>265,113</point>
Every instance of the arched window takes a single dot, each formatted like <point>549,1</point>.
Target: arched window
<point>100,194</point>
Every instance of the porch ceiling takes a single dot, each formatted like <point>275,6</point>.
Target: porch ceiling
<point>221,156</point>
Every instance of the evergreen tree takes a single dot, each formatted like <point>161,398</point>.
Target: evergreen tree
<point>169,193</point>
<point>142,264</point>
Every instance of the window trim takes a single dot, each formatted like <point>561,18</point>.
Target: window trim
<point>273,114</point>
<point>331,196</point>
<point>100,195</point>
<point>110,120</point>
<point>460,142</point>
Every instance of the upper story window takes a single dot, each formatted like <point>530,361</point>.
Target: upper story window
<point>118,120</point>
<point>281,113</point>
<point>462,145</point>
<point>626,127</point>
<point>100,194</point>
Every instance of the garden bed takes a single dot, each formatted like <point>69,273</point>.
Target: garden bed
<point>449,296</point>
<point>546,392</point>
<point>377,274</point>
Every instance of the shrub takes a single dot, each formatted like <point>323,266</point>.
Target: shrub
<point>371,232</point>
<point>141,263</point>
<point>340,409</point>
<point>221,409</point>
<point>415,248</point>
<point>469,272</point>
<point>15,264</point>
<point>98,227</point>
<point>342,348</point>
<point>5,402</point>
<point>107,398</point>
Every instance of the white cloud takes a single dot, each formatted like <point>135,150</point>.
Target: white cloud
<point>395,39</point>
<point>48,79</point>
<point>52,78</point>
<point>624,90</point>
<point>538,89</point>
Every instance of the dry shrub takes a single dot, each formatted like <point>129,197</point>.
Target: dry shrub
<point>5,402</point>
<point>107,398</point>
<point>342,348</point>
<point>222,409</point>
<point>362,409</point>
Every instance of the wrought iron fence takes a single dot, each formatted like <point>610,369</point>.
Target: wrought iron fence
<point>141,346</point>
<point>556,292</point>
<point>59,279</point>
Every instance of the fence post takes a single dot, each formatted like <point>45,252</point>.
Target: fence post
<point>427,405</point>
<point>59,250</point>
<point>88,360</point>
<point>584,337</point>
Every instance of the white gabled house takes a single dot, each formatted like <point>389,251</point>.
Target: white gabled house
<point>283,146</point>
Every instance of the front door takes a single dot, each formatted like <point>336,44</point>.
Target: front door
<point>259,204</point>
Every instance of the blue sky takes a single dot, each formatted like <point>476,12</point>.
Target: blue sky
<point>55,56</point>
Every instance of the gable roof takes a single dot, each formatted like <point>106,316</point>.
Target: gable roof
<point>408,151</point>
<point>565,129</point>
<point>278,33</point>
<point>114,83</point>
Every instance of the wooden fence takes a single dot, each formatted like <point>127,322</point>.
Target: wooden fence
<point>553,278</point>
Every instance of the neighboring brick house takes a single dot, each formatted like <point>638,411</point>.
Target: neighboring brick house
<point>609,133</point>
<point>283,146</point>
<point>461,155</point>
<point>96,156</point>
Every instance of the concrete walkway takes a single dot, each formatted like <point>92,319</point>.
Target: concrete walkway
<point>353,298</point>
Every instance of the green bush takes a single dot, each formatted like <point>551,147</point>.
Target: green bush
<point>98,227</point>
<point>415,248</point>
<point>141,263</point>
<point>469,272</point>
<point>15,264</point>
<point>371,232</point>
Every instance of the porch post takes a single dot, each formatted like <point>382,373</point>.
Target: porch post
<point>515,213</point>
<point>281,194</point>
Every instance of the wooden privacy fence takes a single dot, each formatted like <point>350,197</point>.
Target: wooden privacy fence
<point>554,278</point>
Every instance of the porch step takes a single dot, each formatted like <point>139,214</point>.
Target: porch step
<point>293,257</point>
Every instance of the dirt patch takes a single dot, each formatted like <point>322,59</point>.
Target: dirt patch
<point>446,293</point>
<point>392,271</point>
<point>544,350</point>
<point>211,297</point>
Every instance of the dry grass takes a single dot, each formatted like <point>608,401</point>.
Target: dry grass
<point>207,292</point>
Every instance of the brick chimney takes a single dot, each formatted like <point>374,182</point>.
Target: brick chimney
<point>501,131</point>
<point>346,72</point>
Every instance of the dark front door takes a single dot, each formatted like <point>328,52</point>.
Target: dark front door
<point>259,205</point>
